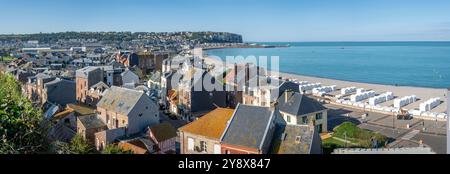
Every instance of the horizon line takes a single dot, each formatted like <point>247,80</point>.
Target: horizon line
<point>305,41</point>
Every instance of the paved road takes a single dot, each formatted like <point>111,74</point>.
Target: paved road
<point>436,142</point>
<point>432,133</point>
<point>410,134</point>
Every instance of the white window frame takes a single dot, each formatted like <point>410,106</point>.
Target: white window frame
<point>217,149</point>
<point>191,143</point>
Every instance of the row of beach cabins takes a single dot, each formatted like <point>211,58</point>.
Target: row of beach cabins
<point>368,100</point>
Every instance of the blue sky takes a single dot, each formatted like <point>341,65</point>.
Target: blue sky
<point>256,20</point>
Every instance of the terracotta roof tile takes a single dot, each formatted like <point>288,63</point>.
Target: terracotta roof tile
<point>136,146</point>
<point>210,125</point>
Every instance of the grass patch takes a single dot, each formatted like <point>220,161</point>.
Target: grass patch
<point>364,138</point>
<point>358,137</point>
<point>7,58</point>
<point>329,144</point>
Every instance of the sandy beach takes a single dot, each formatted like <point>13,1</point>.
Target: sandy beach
<point>422,93</point>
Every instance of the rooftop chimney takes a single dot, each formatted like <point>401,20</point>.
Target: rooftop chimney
<point>288,94</point>
<point>286,97</point>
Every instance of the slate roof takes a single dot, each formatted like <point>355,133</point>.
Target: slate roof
<point>61,91</point>
<point>126,72</point>
<point>142,88</point>
<point>163,131</point>
<point>116,64</point>
<point>248,126</point>
<point>156,77</point>
<point>91,121</point>
<point>288,85</point>
<point>42,76</point>
<point>51,111</point>
<point>107,68</point>
<point>84,72</point>
<point>120,100</point>
<point>298,104</point>
<point>102,86</point>
<point>294,139</point>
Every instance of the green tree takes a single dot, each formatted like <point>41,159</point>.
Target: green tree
<point>115,149</point>
<point>22,127</point>
<point>78,145</point>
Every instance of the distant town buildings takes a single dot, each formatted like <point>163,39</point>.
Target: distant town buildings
<point>125,112</point>
<point>85,78</point>
<point>142,95</point>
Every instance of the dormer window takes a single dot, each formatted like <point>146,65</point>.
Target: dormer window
<point>297,139</point>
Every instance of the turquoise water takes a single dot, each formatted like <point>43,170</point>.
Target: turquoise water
<point>422,64</point>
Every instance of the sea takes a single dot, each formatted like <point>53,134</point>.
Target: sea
<point>419,64</point>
